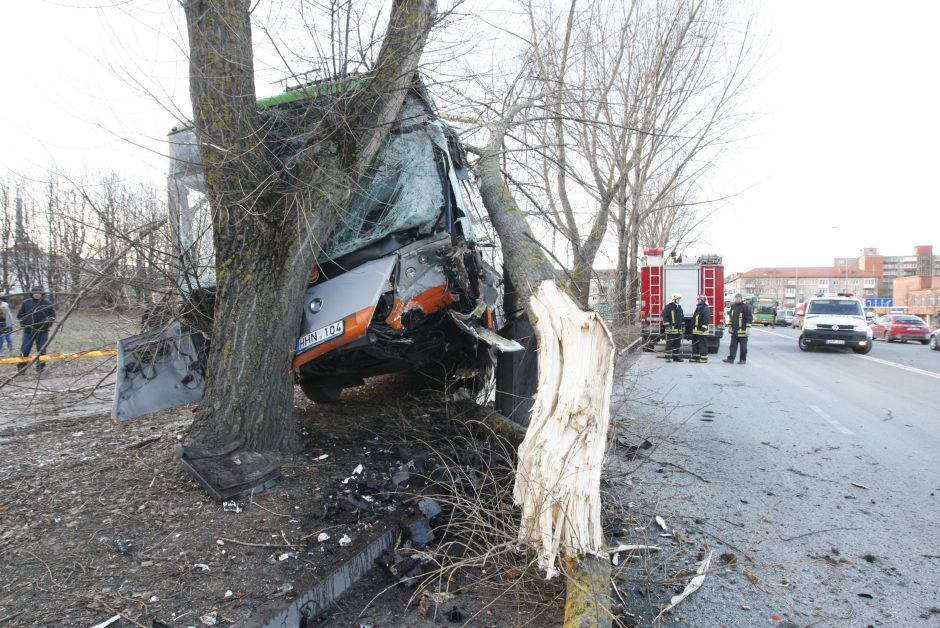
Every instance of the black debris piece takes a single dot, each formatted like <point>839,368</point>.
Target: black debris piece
<point>124,546</point>
<point>229,472</point>
<point>418,531</point>
<point>405,566</point>
<point>429,507</point>
<point>351,503</point>
<point>399,481</point>
<point>455,616</point>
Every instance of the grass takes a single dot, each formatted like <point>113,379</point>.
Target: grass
<point>85,330</point>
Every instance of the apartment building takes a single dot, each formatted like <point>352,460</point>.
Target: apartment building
<point>793,285</point>
<point>922,263</point>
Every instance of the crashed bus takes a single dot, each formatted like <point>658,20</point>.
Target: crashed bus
<point>400,282</point>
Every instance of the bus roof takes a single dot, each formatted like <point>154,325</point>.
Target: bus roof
<point>326,87</point>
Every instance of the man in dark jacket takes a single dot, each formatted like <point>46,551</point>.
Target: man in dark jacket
<point>701,317</point>
<point>36,316</point>
<point>741,321</point>
<point>673,322</point>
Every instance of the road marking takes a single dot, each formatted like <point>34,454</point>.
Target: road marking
<point>903,367</point>
<point>831,421</point>
<point>777,334</point>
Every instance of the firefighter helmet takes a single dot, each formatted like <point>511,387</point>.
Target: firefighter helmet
<point>676,296</point>
<point>703,297</point>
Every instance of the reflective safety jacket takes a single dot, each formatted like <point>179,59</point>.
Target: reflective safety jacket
<point>741,319</point>
<point>673,318</point>
<point>700,319</point>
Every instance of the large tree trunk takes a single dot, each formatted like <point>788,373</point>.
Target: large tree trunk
<point>268,223</point>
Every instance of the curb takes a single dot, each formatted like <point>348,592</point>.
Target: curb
<point>305,608</point>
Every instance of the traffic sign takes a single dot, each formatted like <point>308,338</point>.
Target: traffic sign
<point>879,302</point>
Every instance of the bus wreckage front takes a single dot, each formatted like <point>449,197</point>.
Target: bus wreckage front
<point>401,281</point>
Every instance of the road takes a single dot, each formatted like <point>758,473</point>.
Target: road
<point>819,479</point>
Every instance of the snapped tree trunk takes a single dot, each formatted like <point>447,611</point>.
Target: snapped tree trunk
<point>558,472</point>
<point>267,218</point>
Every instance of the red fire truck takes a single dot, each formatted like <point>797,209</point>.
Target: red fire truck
<point>659,280</point>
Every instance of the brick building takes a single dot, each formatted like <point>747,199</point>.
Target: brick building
<point>793,285</point>
<point>922,263</point>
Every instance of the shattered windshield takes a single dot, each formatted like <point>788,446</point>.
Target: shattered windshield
<point>403,191</point>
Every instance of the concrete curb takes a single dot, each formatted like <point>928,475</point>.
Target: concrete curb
<point>309,605</point>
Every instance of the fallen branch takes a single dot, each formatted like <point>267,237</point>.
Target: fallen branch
<point>812,532</point>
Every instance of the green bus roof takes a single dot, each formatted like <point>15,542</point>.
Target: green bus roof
<point>350,83</point>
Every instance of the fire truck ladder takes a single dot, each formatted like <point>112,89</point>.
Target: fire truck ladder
<point>656,292</point>
<point>709,288</point>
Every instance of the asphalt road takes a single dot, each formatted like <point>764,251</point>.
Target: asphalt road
<point>819,481</point>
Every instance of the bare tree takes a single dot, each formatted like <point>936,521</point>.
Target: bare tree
<point>582,145</point>
<point>695,72</point>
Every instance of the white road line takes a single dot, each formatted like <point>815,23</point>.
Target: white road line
<point>831,421</point>
<point>903,367</point>
<point>777,334</point>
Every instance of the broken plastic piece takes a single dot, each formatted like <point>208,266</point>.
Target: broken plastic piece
<point>429,507</point>
<point>488,336</point>
<point>124,546</point>
<point>419,532</point>
<point>229,473</point>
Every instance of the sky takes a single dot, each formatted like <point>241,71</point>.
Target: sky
<point>839,152</point>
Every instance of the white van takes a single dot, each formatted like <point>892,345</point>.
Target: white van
<point>835,321</point>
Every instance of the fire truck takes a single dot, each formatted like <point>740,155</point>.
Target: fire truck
<point>659,280</point>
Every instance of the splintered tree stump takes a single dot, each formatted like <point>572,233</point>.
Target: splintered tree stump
<point>560,459</point>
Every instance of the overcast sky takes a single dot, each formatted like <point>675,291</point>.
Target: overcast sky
<point>840,154</point>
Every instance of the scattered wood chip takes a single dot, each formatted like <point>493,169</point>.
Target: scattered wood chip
<point>661,522</point>
<point>857,485</point>
<point>694,584</point>
<point>631,548</point>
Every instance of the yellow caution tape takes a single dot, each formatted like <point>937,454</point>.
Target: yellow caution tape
<point>98,353</point>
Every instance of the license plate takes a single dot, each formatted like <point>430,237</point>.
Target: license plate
<point>835,342</point>
<point>319,336</point>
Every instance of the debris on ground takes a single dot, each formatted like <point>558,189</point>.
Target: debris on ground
<point>693,586</point>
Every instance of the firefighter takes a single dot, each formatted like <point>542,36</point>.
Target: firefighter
<point>700,319</point>
<point>741,321</point>
<point>673,321</point>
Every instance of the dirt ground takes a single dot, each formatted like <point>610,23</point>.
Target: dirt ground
<point>99,519</point>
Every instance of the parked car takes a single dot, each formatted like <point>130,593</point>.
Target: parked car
<point>935,340</point>
<point>903,327</point>
<point>784,317</point>
<point>798,315</point>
